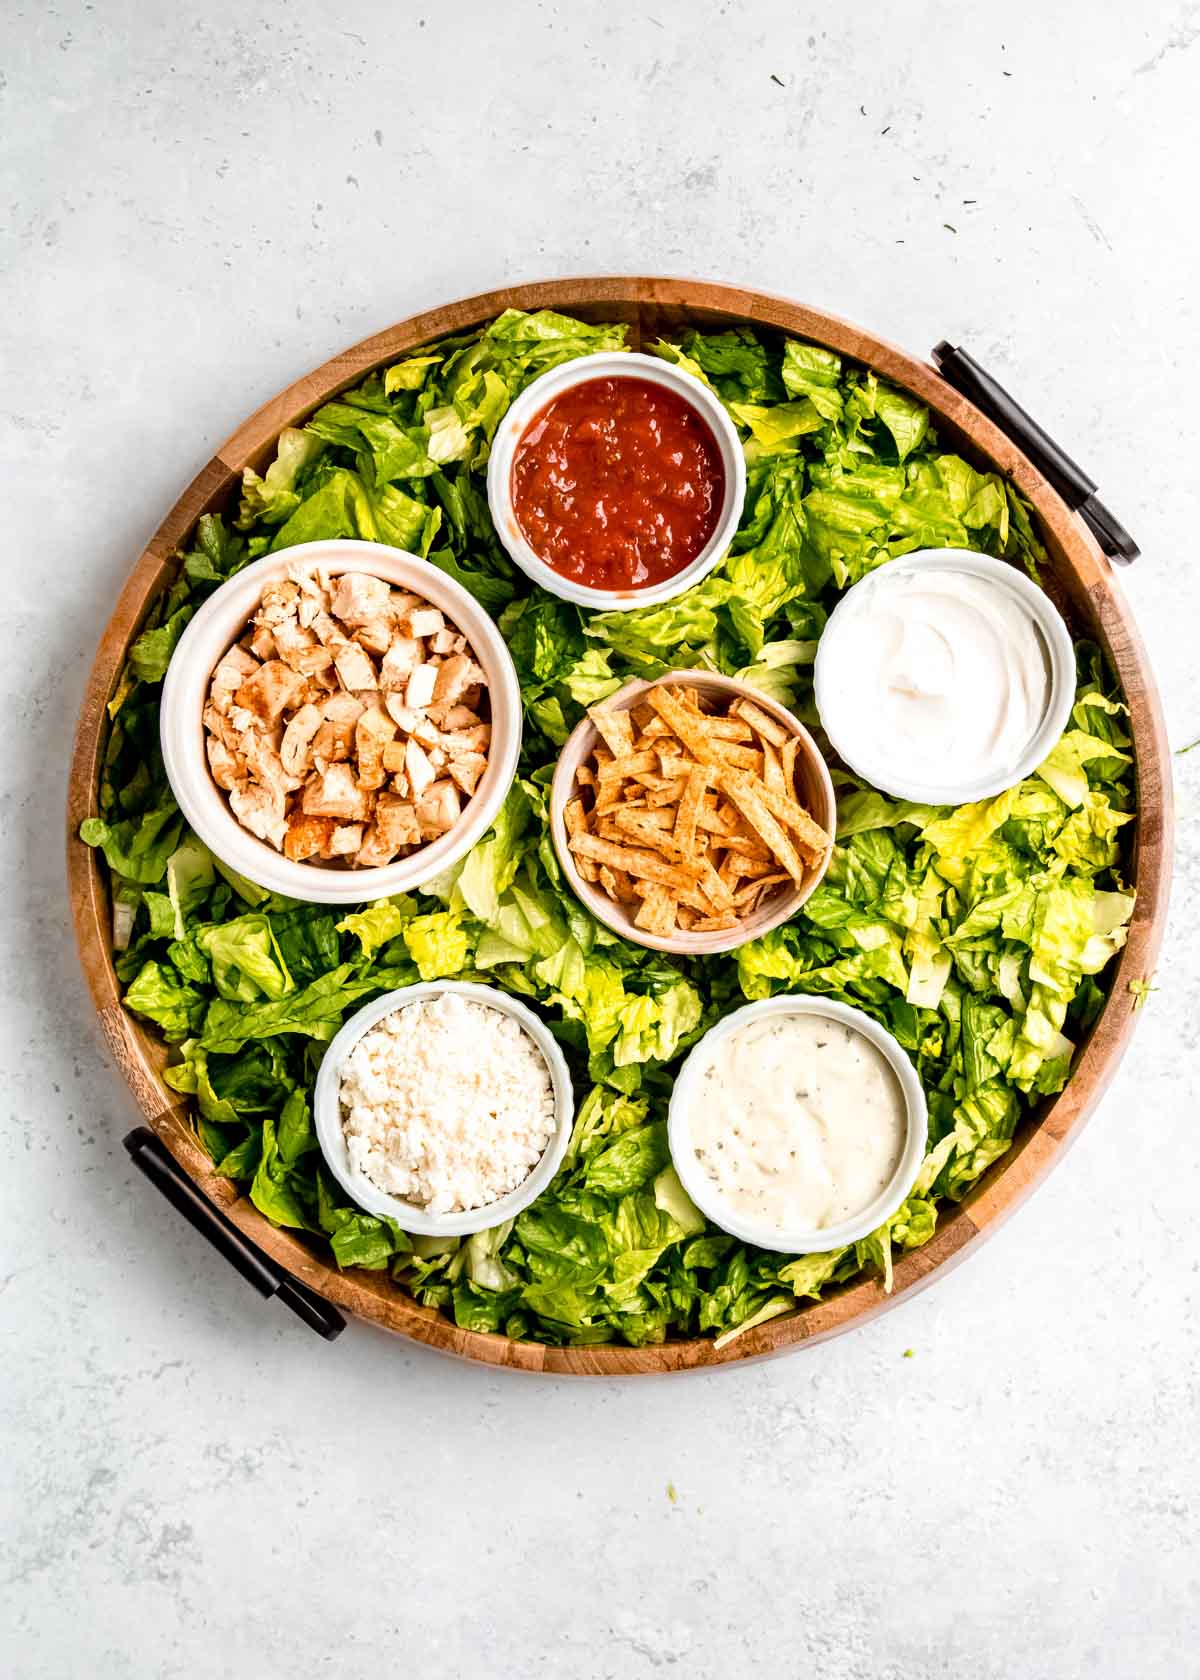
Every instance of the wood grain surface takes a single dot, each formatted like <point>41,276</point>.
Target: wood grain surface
<point>1081,580</point>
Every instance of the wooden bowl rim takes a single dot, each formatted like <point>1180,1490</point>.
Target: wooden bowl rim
<point>1079,565</point>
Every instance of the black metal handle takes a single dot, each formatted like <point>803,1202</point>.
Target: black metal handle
<point>960,369</point>
<point>152,1158</point>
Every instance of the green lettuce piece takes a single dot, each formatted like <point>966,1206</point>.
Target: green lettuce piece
<point>273,498</point>
<point>158,994</point>
<point>379,923</point>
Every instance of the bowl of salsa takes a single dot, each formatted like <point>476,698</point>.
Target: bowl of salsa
<point>616,480</point>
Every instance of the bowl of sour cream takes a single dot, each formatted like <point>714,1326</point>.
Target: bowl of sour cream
<point>798,1124</point>
<point>944,677</point>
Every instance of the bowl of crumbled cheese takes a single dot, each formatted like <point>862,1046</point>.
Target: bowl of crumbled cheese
<point>446,1107</point>
<point>340,722</point>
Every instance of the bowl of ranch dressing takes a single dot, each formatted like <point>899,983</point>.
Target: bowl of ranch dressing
<point>944,677</point>
<point>798,1124</point>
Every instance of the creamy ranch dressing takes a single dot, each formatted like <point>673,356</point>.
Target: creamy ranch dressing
<point>798,1120</point>
<point>942,676</point>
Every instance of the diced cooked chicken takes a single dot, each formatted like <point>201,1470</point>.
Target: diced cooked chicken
<point>372,733</point>
<point>262,643</point>
<point>399,662</point>
<point>229,676</point>
<point>334,792</point>
<point>358,598</point>
<point>272,689</point>
<point>395,826</point>
<point>419,689</point>
<point>355,670</point>
<point>425,621</point>
<point>375,636</point>
<point>345,840</point>
<point>458,674</point>
<point>261,811</point>
<point>326,754</point>
<point>279,602</point>
<point>467,770</point>
<point>417,768</point>
<point>307,836</point>
<point>296,748</point>
<point>438,809</point>
<point>228,769</point>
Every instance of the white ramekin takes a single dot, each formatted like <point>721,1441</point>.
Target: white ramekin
<point>822,1239</point>
<point>217,626</point>
<point>831,678</point>
<point>327,1115</point>
<point>620,364</point>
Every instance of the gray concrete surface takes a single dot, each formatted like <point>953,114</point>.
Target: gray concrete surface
<point>200,204</point>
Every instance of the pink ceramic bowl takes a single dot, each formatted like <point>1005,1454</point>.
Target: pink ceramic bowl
<point>813,788</point>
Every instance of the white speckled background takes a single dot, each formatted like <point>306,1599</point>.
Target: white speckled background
<point>201,204</point>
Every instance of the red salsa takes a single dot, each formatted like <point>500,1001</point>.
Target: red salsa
<point>618,483</point>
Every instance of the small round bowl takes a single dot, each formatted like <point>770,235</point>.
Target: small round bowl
<point>814,789</point>
<point>830,678</point>
<point>327,1115</point>
<point>824,1238</point>
<point>621,364</point>
<point>218,625</point>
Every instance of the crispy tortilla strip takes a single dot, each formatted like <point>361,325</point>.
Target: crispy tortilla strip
<point>747,897</point>
<point>749,798</point>
<point>654,730</point>
<point>588,871</point>
<point>715,924</point>
<point>811,837</point>
<point>585,776</point>
<point>730,871</point>
<point>787,758</point>
<point>749,847</point>
<point>670,794</point>
<point>614,728</point>
<point>689,807</point>
<point>575,817</point>
<point>762,724</point>
<point>714,887</point>
<point>772,769</point>
<point>643,865</point>
<point>629,764</point>
<point>728,729</point>
<point>616,883</point>
<point>638,827</point>
<point>656,912</point>
<point>690,728</point>
<point>715,821</point>
<point>643,817</point>
<point>685,917</point>
<point>744,758</point>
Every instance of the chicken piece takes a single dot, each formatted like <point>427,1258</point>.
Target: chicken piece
<point>296,747</point>
<point>307,836</point>
<point>455,677</point>
<point>273,689</point>
<point>315,661</point>
<point>358,598</point>
<point>355,671</point>
<point>279,602</point>
<point>400,660</point>
<point>229,676</point>
<point>375,636</point>
<point>290,640</point>
<point>461,741</point>
<point>262,643</point>
<point>453,717</point>
<point>264,763</point>
<point>261,811</point>
<point>228,768</point>
<point>437,757</point>
<point>443,642</point>
<point>419,689</point>
<point>467,770</point>
<point>308,611</point>
<point>222,726</point>
<point>335,738</point>
<point>438,809</point>
<point>334,792</point>
<point>393,756</point>
<point>395,826</point>
<point>403,602</point>
<point>417,768</point>
<point>409,722</point>
<point>344,841</point>
<point>400,785</point>
<point>425,621</point>
<point>372,734</point>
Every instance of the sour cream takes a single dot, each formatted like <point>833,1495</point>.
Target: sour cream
<point>935,683</point>
<point>798,1121</point>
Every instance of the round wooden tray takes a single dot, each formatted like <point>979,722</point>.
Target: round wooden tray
<point>1080,577</point>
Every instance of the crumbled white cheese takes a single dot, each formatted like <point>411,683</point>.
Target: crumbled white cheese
<point>447,1103</point>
